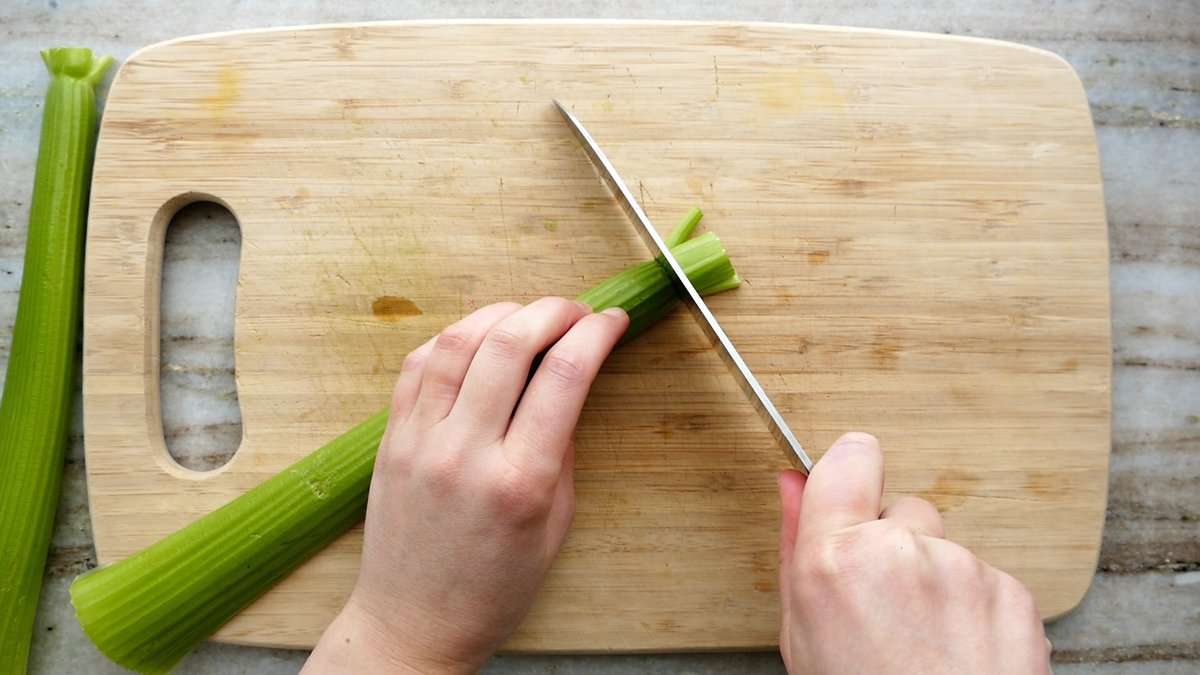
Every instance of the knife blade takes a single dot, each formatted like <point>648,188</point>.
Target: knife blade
<point>704,316</point>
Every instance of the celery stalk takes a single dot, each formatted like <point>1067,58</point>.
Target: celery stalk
<point>147,611</point>
<point>35,415</point>
<point>646,292</point>
<point>683,231</point>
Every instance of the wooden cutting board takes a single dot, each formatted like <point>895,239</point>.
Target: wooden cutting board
<point>918,218</point>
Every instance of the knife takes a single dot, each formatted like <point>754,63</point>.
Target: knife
<point>745,377</point>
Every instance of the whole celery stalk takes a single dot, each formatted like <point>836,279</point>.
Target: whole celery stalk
<point>147,611</point>
<point>35,415</point>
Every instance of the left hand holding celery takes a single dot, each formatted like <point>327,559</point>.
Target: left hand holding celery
<point>36,411</point>
<point>473,490</point>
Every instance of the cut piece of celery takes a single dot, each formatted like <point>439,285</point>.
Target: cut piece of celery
<point>683,231</point>
<point>147,611</point>
<point>646,291</point>
<point>35,415</point>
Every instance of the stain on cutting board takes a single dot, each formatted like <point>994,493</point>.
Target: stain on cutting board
<point>806,88</point>
<point>394,308</point>
<point>952,488</point>
<point>885,352</point>
<point>229,85</point>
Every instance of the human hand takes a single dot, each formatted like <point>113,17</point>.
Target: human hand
<point>472,493</point>
<point>871,592</point>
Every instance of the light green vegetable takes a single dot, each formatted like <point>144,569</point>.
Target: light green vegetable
<point>35,415</point>
<point>646,291</point>
<point>147,611</point>
<point>683,231</point>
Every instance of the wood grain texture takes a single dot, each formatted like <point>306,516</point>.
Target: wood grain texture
<point>919,220</point>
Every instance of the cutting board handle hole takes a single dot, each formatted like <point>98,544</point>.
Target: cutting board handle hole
<point>200,416</point>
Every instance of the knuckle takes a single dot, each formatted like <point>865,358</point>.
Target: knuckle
<point>519,498</point>
<point>412,361</point>
<point>900,541</point>
<point>932,516</point>
<point>506,342</point>
<point>962,566</point>
<point>393,464</point>
<point>506,306</point>
<point>912,503</point>
<point>1015,595</point>
<point>866,556</point>
<point>443,473</point>
<point>454,339</point>
<point>557,304</point>
<point>566,368</point>
<point>892,550</point>
<point>835,557</point>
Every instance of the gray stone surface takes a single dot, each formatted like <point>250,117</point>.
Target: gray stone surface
<point>1140,63</point>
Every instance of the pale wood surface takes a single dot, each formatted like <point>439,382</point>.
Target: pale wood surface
<point>919,220</point>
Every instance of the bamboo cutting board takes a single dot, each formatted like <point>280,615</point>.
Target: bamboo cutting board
<point>919,221</point>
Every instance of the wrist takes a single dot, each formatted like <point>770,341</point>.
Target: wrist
<point>358,642</point>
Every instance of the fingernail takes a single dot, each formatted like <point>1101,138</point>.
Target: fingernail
<point>583,307</point>
<point>614,312</point>
<point>856,439</point>
<point>852,444</point>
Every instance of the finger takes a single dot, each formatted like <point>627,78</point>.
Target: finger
<point>845,487</point>
<point>500,369</point>
<point>916,514</point>
<point>544,423</point>
<point>791,493</point>
<point>443,373</point>
<point>956,562</point>
<point>404,395</point>
<point>1017,618</point>
<point>562,511</point>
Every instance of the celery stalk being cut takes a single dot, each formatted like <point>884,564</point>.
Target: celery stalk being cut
<point>35,415</point>
<point>646,292</point>
<point>147,611</point>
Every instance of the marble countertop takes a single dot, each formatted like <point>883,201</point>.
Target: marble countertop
<point>1140,64</point>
